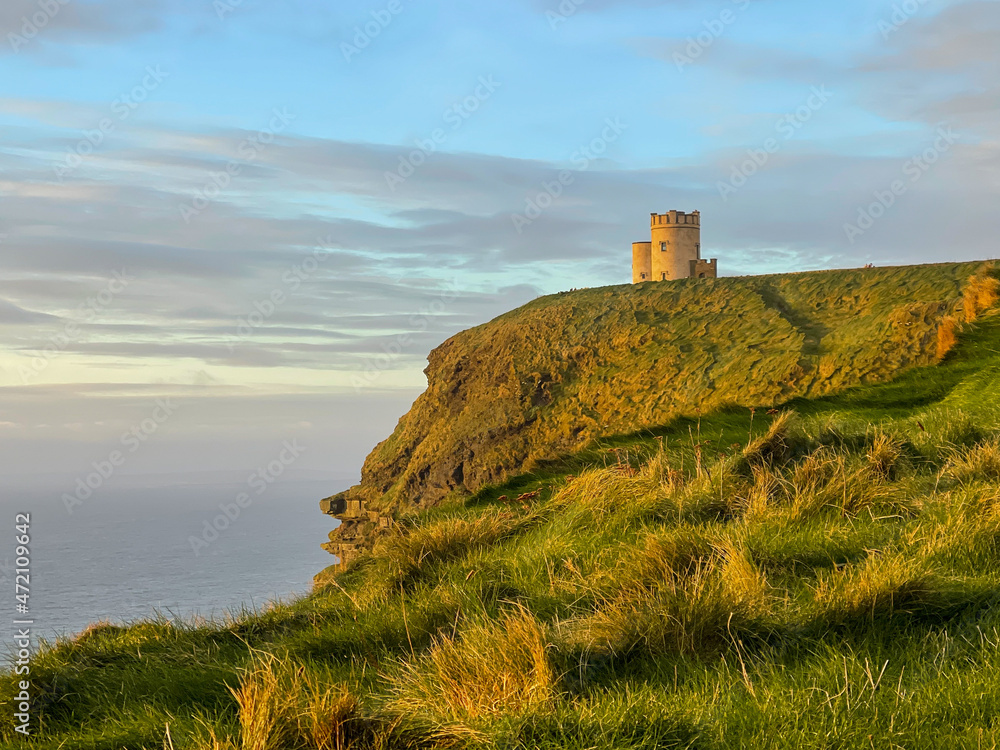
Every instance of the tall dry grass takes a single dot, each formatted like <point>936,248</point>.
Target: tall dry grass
<point>266,711</point>
<point>485,670</point>
<point>282,706</point>
<point>673,555</point>
<point>881,586</point>
<point>829,480</point>
<point>328,715</point>
<point>885,456</point>
<point>609,495</point>
<point>677,600</point>
<point>774,447</point>
<point>981,293</point>
<point>401,557</point>
<point>981,462</point>
<point>947,336</point>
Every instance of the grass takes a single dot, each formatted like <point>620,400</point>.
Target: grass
<point>491,670</point>
<point>825,575</point>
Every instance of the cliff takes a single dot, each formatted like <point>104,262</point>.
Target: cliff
<point>547,379</point>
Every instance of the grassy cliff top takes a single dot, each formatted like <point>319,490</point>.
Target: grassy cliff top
<point>550,377</point>
<point>824,574</point>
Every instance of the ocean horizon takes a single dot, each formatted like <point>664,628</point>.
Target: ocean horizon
<point>153,547</point>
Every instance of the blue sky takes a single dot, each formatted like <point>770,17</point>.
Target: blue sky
<point>233,162</point>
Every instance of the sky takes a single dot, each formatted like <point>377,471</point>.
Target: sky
<point>229,224</point>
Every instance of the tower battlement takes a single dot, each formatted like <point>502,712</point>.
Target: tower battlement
<point>674,251</point>
<point>675,217</point>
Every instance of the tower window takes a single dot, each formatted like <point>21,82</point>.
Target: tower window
<point>663,247</point>
<point>664,276</point>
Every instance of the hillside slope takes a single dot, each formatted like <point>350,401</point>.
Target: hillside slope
<point>546,379</point>
<point>826,575</point>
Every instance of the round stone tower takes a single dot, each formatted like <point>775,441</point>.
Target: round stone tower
<point>676,246</point>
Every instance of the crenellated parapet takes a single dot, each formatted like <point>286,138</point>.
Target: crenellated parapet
<point>675,218</point>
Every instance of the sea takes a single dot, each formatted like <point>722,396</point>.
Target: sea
<point>159,547</point>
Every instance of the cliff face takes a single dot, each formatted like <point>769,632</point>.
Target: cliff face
<point>549,377</point>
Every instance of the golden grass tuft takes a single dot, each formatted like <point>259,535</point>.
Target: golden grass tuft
<point>266,712</point>
<point>744,582</point>
<point>211,741</point>
<point>884,456</point>
<point>712,601</point>
<point>981,462</point>
<point>402,556</point>
<point>774,447</point>
<point>981,293</point>
<point>828,481</point>
<point>947,336</point>
<point>601,495</point>
<point>327,714</point>
<point>768,488</point>
<point>816,470</point>
<point>487,670</point>
<point>879,587</point>
<point>671,556</point>
<point>659,469</point>
<point>281,705</point>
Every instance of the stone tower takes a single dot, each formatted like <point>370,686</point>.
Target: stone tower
<point>674,252</point>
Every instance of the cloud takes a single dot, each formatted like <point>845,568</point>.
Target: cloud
<point>12,314</point>
<point>941,69</point>
<point>30,24</point>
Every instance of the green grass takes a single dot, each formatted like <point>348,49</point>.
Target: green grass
<point>827,576</point>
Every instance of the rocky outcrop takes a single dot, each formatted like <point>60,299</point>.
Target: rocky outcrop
<point>548,378</point>
<point>358,527</point>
